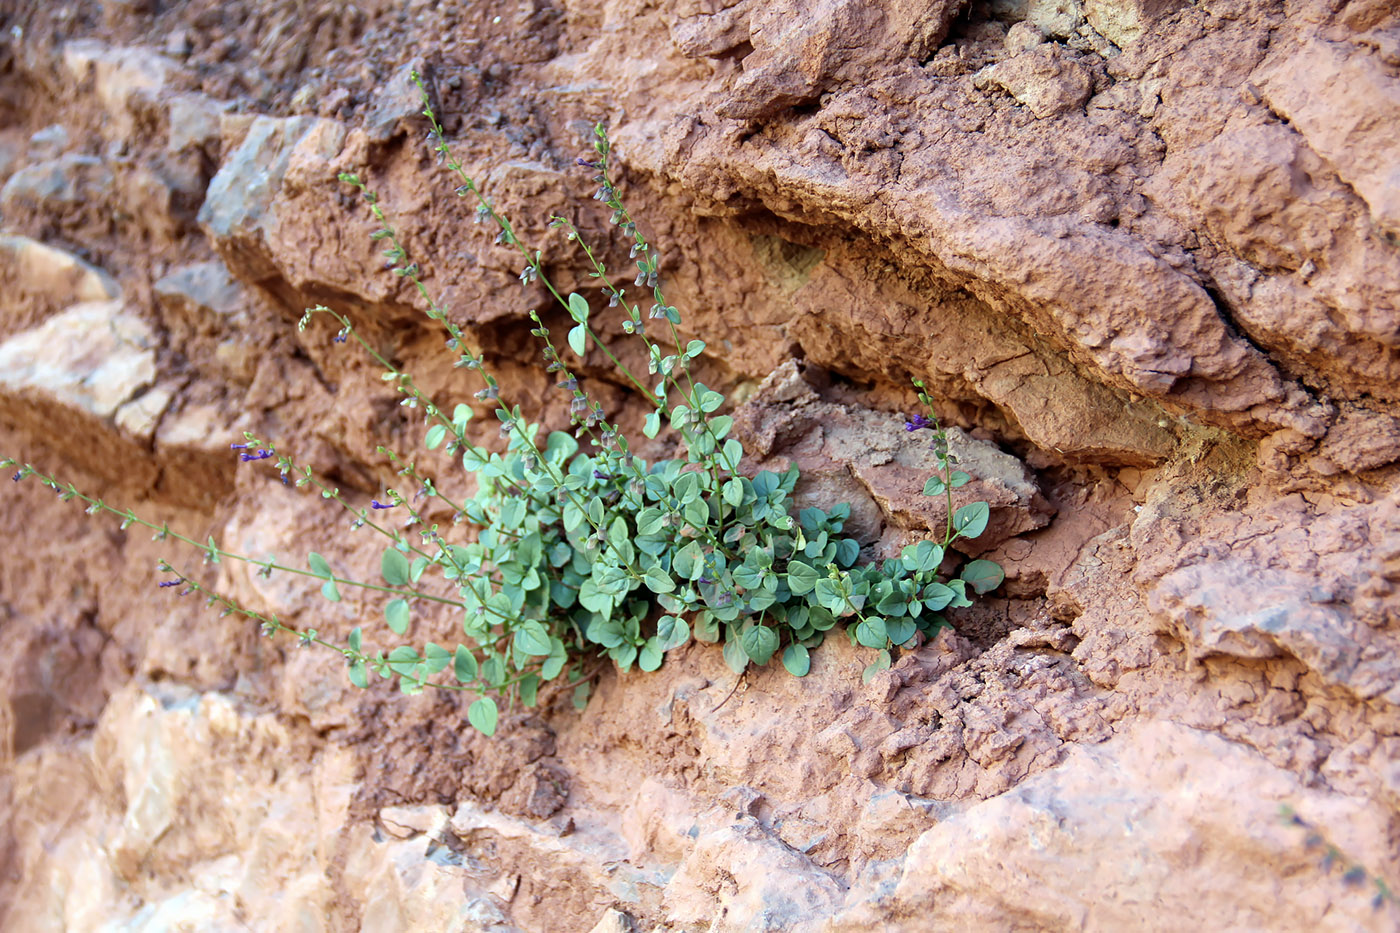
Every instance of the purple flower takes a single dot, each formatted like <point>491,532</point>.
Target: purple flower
<point>917,422</point>
<point>340,337</point>
<point>261,454</point>
<point>169,583</point>
<point>585,163</point>
<point>599,474</point>
<point>376,504</point>
<point>18,476</point>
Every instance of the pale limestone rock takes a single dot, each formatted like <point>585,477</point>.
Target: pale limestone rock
<point>124,78</point>
<point>55,274</point>
<point>1125,21</point>
<point>1047,79</point>
<point>94,356</point>
<point>1148,831</point>
<point>140,416</point>
<point>1347,106</point>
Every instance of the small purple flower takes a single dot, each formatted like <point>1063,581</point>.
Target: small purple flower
<point>170,583</point>
<point>260,454</point>
<point>341,337</point>
<point>584,163</point>
<point>377,505</point>
<point>917,422</point>
<point>599,474</point>
<point>18,476</point>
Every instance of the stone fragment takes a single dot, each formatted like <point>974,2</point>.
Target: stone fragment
<point>56,186</point>
<point>397,101</point>
<point>1125,21</point>
<point>802,47</point>
<point>1161,828</point>
<point>868,459</point>
<point>94,356</point>
<point>1346,103</point>
<point>140,416</point>
<point>54,276</point>
<point>125,79</point>
<point>1058,18</point>
<point>202,291</point>
<point>240,204</point>
<point>614,921</point>
<point>740,877</point>
<point>194,122</point>
<point>1048,79</point>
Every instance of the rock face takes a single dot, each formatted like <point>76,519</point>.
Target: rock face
<point>1144,254</point>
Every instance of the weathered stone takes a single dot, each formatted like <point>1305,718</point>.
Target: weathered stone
<point>1347,106</point>
<point>1123,22</point>
<point>1142,832</point>
<point>241,202</point>
<point>1047,79</point>
<point>94,357</point>
<point>49,274</point>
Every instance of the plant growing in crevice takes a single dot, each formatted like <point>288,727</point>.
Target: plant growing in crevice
<point>583,548</point>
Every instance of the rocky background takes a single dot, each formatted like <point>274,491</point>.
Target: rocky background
<point>1144,251</point>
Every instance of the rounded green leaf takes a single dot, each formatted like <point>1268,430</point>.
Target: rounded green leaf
<point>797,660</point>
<point>318,565</point>
<point>359,675</point>
<point>578,308</point>
<point>395,567</point>
<point>735,656</point>
<point>329,591</point>
<point>402,660</point>
<point>651,655</point>
<point>578,339</point>
<point>483,716</point>
<point>971,520</point>
<point>983,575</point>
<point>397,615</point>
<point>464,665</point>
<point>871,633</point>
<point>532,639</point>
<point>436,434</point>
<point>801,578</point>
<point>759,643</point>
<point>672,632</point>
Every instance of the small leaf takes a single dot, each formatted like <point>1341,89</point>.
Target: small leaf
<point>359,675</point>
<point>578,308</point>
<point>483,715</point>
<point>397,615</point>
<point>971,520</point>
<point>934,486</point>
<point>983,575</point>
<point>529,690</point>
<point>759,643</point>
<point>734,492</point>
<point>649,522</point>
<point>581,695</point>
<point>436,657</point>
<point>797,660</point>
<point>318,565</point>
<point>329,591</point>
<point>871,633</point>
<point>659,581</point>
<point>651,655</point>
<point>801,578</point>
<point>671,632</point>
<point>402,660</point>
<point>735,656</point>
<point>436,434</point>
<point>578,339</point>
<point>355,639</point>
<point>652,426</point>
<point>532,639</point>
<point>394,566</point>
<point>464,665</point>
<point>959,478</point>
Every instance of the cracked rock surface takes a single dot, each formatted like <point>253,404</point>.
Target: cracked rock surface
<point>1145,254</point>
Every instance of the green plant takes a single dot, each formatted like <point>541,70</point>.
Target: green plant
<point>591,550</point>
